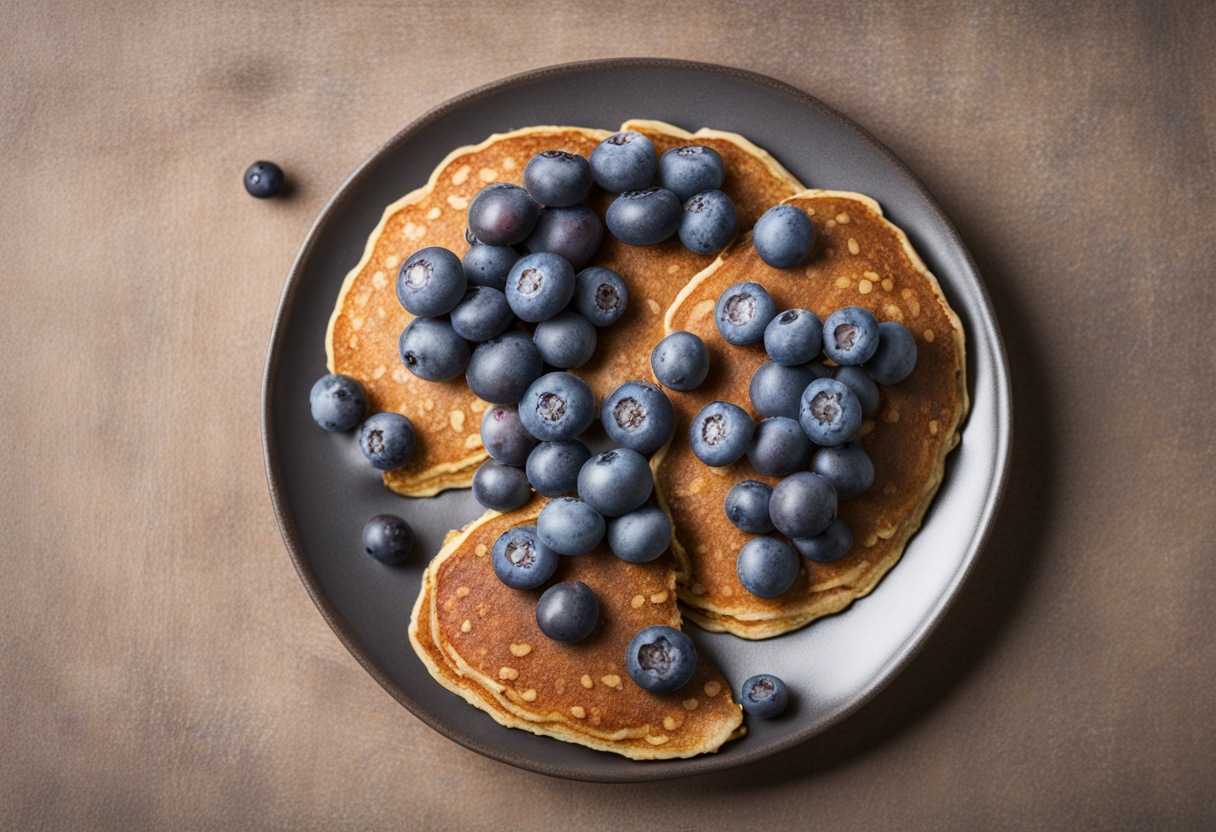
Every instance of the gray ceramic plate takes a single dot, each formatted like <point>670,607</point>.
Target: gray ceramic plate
<point>323,492</point>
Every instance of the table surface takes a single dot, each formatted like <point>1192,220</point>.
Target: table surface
<point>161,665</point>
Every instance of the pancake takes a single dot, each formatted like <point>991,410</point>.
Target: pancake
<point>479,639</point>
<point>367,320</point>
<point>860,259</point>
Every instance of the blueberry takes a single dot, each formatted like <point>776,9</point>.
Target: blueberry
<point>504,436</point>
<point>520,560</point>
<point>764,696</point>
<point>661,659</point>
<point>570,527</point>
<point>337,402</point>
<point>895,358</point>
<point>690,170</point>
<point>574,233</point>
<point>557,406</point>
<point>747,507</point>
<point>830,412</point>
<point>615,482</point>
<point>742,313</point>
<point>794,337</point>
<point>847,467</point>
<point>502,215</point>
<point>431,282</point>
<point>680,361</point>
<point>539,286</point>
<point>720,433</point>
<point>489,265</point>
<point>831,544</point>
<point>624,161</point>
<point>802,505</point>
<point>638,415</point>
<point>568,612</point>
<point>387,440</point>
<point>502,368</point>
<point>708,222</point>
<point>779,447</point>
<point>482,315</point>
<point>767,567</point>
<point>431,349</point>
<point>784,237</point>
<point>388,539</point>
<point>555,177</point>
<point>264,180</point>
<point>500,487</point>
<point>600,296</point>
<point>566,340</point>
<point>553,467</point>
<point>850,336</point>
<point>640,536</point>
<point>777,391</point>
<point>645,217</point>
<point>857,380</point>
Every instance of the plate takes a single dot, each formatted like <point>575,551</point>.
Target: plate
<point>323,491</point>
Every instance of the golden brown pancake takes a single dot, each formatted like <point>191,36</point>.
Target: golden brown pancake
<point>860,259</point>
<point>479,639</point>
<point>367,320</point>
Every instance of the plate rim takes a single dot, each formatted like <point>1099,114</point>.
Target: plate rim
<point>705,763</point>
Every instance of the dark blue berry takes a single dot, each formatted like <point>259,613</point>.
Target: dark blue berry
<point>568,612</point>
<point>802,505</point>
<point>500,487</point>
<point>264,180</point>
<point>574,233</point>
<point>720,433</point>
<point>539,286</point>
<point>747,507</point>
<point>431,282</point>
<point>489,265</point>
<point>661,659</point>
<point>830,412</point>
<point>830,545</point>
<point>847,467</point>
<point>895,358</point>
<point>777,391</point>
<point>640,536</point>
<point>504,436</point>
<point>555,177</point>
<point>557,406</point>
<point>566,340</point>
<point>624,161</point>
<point>680,361</point>
<point>520,560</point>
<point>482,315</point>
<point>767,567</point>
<point>764,696</point>
<point>691,169</point>
<point>708,222</point>
<point>784,237</point>
<point>645,217</point>
<point>779,447</point>
<point>850,336</point>
<point>859,381</point>
<point>570,527</point>
<point>387,440</point>
<point>638,415</point>
<point>388,539</point>
<point>553,467</point>
<point>742,313</point>
<point>502,215</point>
<point>431,349</point>
<point>794,337</point>
<point>502,368</point>
<point>600,296</point>
<point>615,482</point>
<point>337,402</point>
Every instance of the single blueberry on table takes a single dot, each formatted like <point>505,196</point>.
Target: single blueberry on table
<point>850,336</point>
<point>859,381</point>
<point>568,612</point>
<point>600,296</point>
<point>747,507</point>
<point>500,487</point>
<point>661,659</point>
<point>539,286</point>
<point>558,178</point>
<point>720,433</point>
<point>574,233</point>
<point>638,415</point>
<point>520,560</point>
<point>504,436</point>
<point>624,161</point>
<point>489,265</point>
<point>830,412</point>
<point>708,223</point>
<point>645,217</point>
<point>895,358</point>
<point>501,369</point>
<point>615,482</point>
<point>388,539</point>
<point>482,315</point>
<point>337,402</point>
<point>641,535</point>
<point>387,440</point>
<point>557,406</point>
<point>847,467</point>
<point>431,349</point>
<point>431,282</point>
<point>566,340</point>
<point>742,313</point>
<point>680,361</point>
<point>690,170</point>
<point>764,696</point>
<point>553,467</point>
<point>779,447</point>
<point>776,390</point>
<point>802,505</point>
<point>830,545</point>
<point>502,215</point>
<point>767,567</point>
<point>264,180</point>
<point>784,237</point>
<point>794,337</point>
<point>570,527</point>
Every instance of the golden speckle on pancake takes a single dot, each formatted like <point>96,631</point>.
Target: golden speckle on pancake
<point>458,202</point>
<point>379,372</point>
<point>413,231</point>
<point>867,427</point>
<point>481,550</point>
<point>637,601</point>
<point>830,223</point>
<point>658,597</point>
<point>586,682</point>
<point>886,532</point>
<point>728,591</point>
<point>905,294</point>
<point>461,175</point>
<point>508,163</point>
<point>448,604</point>
<point>472,440</point>
<point>888,284</point>
<point>930,335</point>
<point>466,625</point>
<point>362,298</point>
<point>481,613</point>
<point>353,343</point>
<point>702,549</point>
<point>842,218</point>
<point>702,309</point>
<point>462,591</point>
<point>507,673</point>
<point>427,404</point>
<point>391,261</point>
<point>893,312</point>
<point>810,212</point>
<point>854,248</point>
<point>933,427</point>
<point>559,685</point>
<point>870,540</point>
<point>578,711</point>
<point>487,174</point>
<point>691,704</point>
<point>657,740</point>
<point>356,324</point>
<point>865,287</point>
<point>456,417</point>
<point>891,416</point>
<point>713,688</point>
<point>672,269</point>
<point>379,280</point>
<point>399,375</point>
<point>477,406</point>
<point>595,716</point>
<point>434,213</point>
<point>843,283</point>
<point>914,307</point>
<point>380,313</point>
<point>724,471</point>
<point>529,695</point>
<point>671,723</point>
<point>695,487</point>
<point>611,680</point>
<point>653,306</point>
<point>520,649</point>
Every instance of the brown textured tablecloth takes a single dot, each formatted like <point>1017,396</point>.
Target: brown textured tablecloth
<point>160,664</point>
